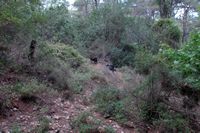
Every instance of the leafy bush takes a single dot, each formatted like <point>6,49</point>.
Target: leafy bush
<point>19,16</point>
<point>16,129</point>
<point>110,104</point>
<point>158,114</point>
<point>123,56</point>
<point>62,52</point>
<point>3,64</point>
<point>109,129</point>
<point>168,32</point>
<point>151,111</point>
<point>84,125</point>
<point>59,77</point>
<point>110,27</point>
<point>57,62</point>
<point>28,88</point>
<point>58,28</point>
<point>80,77</point>
<point>86,122</point>
<point>154,91</point>
<point>173,122</point>
<point>144,61</point>
<point>185,60</point>
<point>43,125</point>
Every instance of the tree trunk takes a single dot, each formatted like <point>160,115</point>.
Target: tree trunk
<point>165,8</point>
<point>185,25</point>
<point>96,4</point>
<point>86,7</point>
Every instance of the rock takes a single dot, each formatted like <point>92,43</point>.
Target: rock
<point>15,109</point>
<point>129,124</point>
<point>90,120</point>
<point>35,108</point>
<point>101,129</point>
<point>58,131</point>
<point>56,117</point>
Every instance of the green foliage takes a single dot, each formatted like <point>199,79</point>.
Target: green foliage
<point>138,31</point>
<point>168,32</point>
<point>61,64</point>
<point>85,123</point>
<point>151,111</point>
<point>104,26</point>
<point>123,56</point>
<point>16,129</point>
<point>109,102</point>
<point>109,130</point>
<point>27,88</point>
<point>173,122</point>
<point>43,126</point>
<point>80,77</point>
<point>110,27</point>
<point>185,60</point>
<point>58,28</point>
<point>3,64</point>
<point>19,16</point>
<point>144,61</point>
<point>61,52</point>
<point>158,114</point>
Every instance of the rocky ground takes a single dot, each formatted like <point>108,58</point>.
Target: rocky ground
<point>59,109</point>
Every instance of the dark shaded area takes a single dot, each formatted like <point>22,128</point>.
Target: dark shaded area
<point>94,60</point>
<point>111,67</point>
<point>32,50</point>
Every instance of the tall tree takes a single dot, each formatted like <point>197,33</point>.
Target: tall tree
<point>165,8</point>
<point>82,6</point>
<point>188,7</point>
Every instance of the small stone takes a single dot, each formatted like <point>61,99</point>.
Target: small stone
<point>15,109</point>
<point>101,129</point>
<point>130,124</point>
<point>56,117</point>
<point>35,109</point>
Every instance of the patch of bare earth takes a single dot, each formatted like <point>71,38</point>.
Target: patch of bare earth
<point>59,110</point>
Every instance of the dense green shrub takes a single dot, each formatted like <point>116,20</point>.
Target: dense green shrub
<point>158,114</point>
<point>111,27</point>
<point>185,60</point>
<point>155,90</point>
<point>109,129</point>
<point>65,53</point>
<point>86,122</point>
<point>173,122</point>
<point>57,62</point>
<point>16,129</point>
<point>29,88</point>
<point>144,61</point>
<point>3,63</point>
<point>123,56</point>
<point>43,126</point>
<point>64,66</point>
<point>80,77</point>
<point>58,28</point>
<point>19,17</point>
<point>168,32</point>
<point>81,123</point>
<point>109,102</point>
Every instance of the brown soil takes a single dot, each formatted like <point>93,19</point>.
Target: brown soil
<point>59,110</point>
